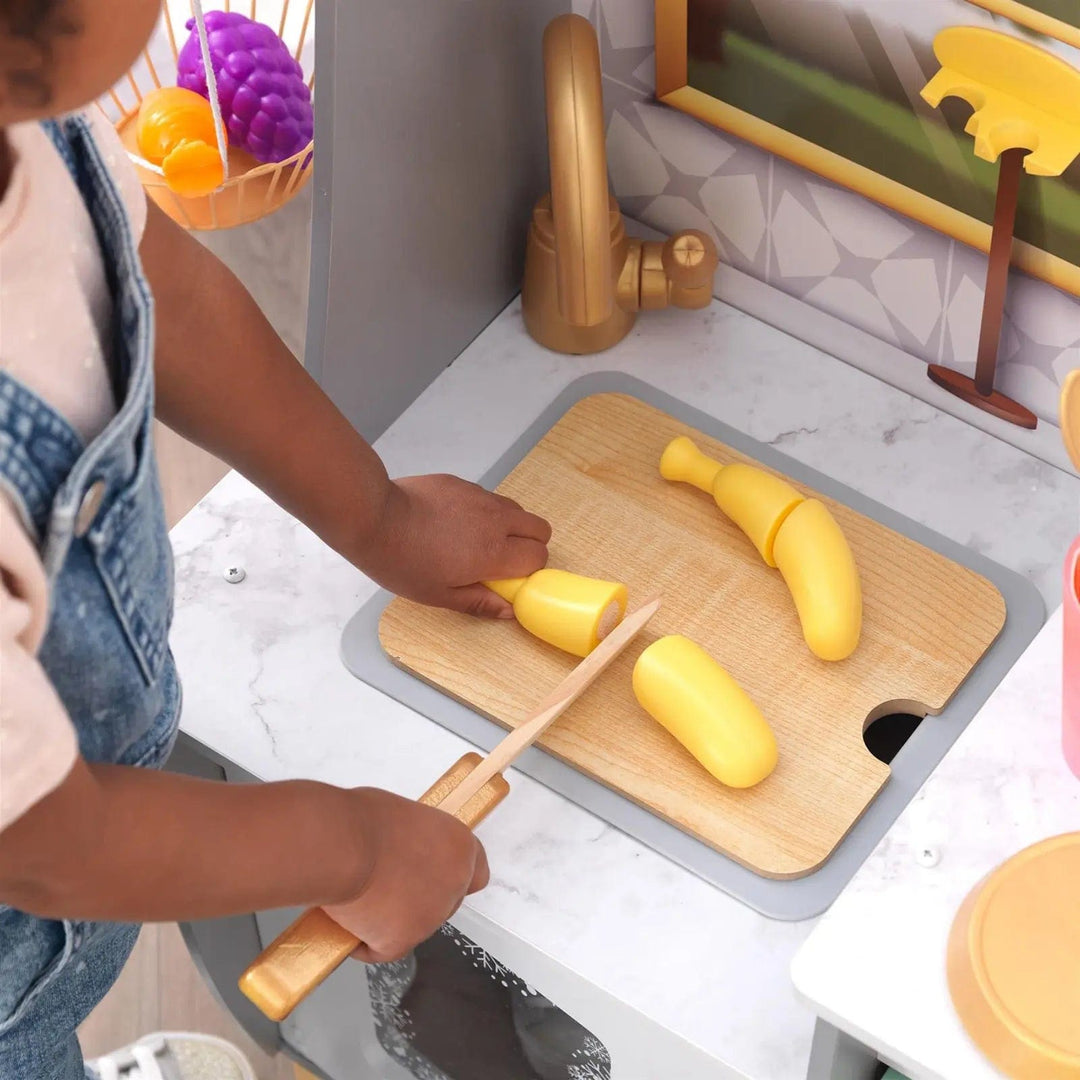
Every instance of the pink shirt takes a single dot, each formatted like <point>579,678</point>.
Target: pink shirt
<point>49,263</point>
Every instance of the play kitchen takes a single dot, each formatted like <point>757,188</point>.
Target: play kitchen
<point>788,665</point>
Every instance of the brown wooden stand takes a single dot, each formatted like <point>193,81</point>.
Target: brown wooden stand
<point>980,391</point>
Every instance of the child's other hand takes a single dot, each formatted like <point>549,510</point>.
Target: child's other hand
<point>439,536</point>
<point>423,863</point>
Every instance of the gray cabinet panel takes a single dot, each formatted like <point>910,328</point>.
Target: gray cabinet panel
<point>431,152</point>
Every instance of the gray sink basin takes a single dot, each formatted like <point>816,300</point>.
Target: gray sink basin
<point>801,898</point>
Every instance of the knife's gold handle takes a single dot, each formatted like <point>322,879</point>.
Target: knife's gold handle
<point>295,962</point>
<point>303,955</point>
<point>481,804</point>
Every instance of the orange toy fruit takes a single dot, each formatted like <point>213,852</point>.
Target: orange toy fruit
<point>175,131</point>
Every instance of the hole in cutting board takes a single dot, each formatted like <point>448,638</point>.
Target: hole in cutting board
<point>885,736</point>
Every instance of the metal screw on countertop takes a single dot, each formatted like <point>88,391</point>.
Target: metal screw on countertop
<point>235,574</point>
<point>928,855</point>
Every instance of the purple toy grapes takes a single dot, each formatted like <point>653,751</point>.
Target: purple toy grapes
<point>265,103</point>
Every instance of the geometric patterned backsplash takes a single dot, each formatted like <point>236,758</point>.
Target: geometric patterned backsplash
<point>891,276</point>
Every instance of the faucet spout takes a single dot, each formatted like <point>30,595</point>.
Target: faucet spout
<point>585,280</point>
<point>584,272</point>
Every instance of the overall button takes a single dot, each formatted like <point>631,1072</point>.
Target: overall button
<point>88,508</point>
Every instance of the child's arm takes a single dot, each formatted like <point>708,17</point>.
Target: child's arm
<point>225,380</point>
<point>124,844</point>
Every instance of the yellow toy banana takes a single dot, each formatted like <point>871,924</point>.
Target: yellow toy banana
<point>797,535</point>
<point>683,688</point>
<point>821,574</point>
<point>571,612</point>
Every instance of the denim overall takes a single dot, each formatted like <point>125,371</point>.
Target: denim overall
<point>96,515</point>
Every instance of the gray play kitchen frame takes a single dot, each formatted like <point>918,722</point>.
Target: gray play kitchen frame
<point>791,899</point>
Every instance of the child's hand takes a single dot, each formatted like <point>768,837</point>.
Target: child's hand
<point>440,536</point>
<point>423,864</point>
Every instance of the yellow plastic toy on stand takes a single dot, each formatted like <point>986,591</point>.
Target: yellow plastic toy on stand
<point>206,170</point>
<point>1027,114</point>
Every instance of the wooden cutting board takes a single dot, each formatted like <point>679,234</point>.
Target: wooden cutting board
<point>927,622</point>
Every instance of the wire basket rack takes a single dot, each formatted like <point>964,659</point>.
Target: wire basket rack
<point>252,190</point>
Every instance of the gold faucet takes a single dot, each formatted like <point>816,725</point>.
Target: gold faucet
<point>585,279</point>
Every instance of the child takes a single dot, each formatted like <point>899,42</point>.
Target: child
<point>101,297</point>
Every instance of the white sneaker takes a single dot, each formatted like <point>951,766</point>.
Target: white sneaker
<point>175,1055</point>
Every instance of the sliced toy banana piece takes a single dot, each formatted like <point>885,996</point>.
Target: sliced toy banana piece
<point>757,501</point>
<point>571,612</point>
<point>683,688</point>
<point>814,556</point>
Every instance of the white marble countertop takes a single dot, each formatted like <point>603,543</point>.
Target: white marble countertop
<point>875,965</point>
<point>264,686</point>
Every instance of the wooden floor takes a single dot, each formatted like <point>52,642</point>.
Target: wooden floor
<point>160,989</point>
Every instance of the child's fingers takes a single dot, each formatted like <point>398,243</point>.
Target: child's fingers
<point>385,955</point>
<point>519,557</point>
<point>366,955</point>
<point>481,872</point>
<point>480,601</point>
<point>533,527</point>
<point>525,524</point>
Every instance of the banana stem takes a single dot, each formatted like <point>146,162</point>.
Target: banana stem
<point>684,463</point>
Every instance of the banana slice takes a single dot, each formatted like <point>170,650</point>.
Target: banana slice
<point>683,688</point>
<point>571,612</point>
<point>797,535</point>
<point>821,575</point>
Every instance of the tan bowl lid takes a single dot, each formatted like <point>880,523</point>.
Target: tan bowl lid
<point>1014,962</point>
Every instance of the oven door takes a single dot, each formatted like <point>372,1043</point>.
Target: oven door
<point>475,1003</point>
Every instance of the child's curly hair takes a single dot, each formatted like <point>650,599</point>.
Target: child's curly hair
<point>28,29</point>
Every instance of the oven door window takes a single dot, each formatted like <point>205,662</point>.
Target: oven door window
<point>451,1011</point>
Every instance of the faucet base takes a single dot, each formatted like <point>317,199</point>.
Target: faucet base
<point>547,328</point>
<point>540,295</point>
